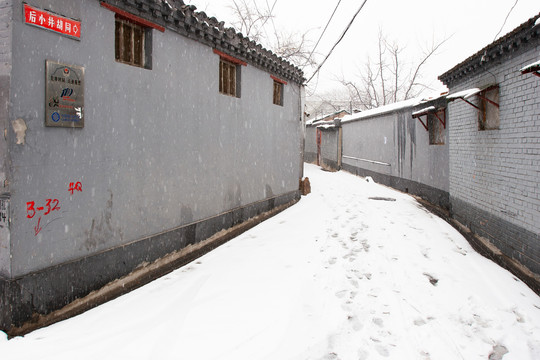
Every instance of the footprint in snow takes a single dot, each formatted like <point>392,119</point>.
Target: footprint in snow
<point>350,256</point>
<point>519,317</point>
<point>365,245</point>
<point>498,352</point>
<point>378,321</point>
<point>433,280</point>
<point>362,354</point>
<point>355,323</point>
<point>368,276</point>
<point>331,356</point>
<point>383,351</point>
<point>459,250</point>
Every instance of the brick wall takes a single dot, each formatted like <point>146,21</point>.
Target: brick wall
<point>494,174</point>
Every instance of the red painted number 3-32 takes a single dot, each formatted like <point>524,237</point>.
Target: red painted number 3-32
<point>50,205</point>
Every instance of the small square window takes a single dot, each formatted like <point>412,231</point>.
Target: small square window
<point>228,78</point>
<point>278,93</point>
<point>132,43</point>
<point>488,114</point>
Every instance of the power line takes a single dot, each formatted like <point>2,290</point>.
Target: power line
<point>320,37</point>
<point>504,23</point>
<point>337,42</point>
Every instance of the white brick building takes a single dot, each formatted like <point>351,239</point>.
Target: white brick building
<point>494,144</point>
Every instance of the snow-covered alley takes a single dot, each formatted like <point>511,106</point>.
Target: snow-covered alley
<point>355,270</point>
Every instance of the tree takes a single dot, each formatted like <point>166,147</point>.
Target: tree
<point>388,78</point>
<point>257,23</point>
<point>327,102</point>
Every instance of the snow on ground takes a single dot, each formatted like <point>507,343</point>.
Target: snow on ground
<point>355,270</point>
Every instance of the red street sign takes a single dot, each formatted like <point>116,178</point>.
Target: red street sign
<point>50,21</point>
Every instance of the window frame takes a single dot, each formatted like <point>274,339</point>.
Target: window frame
<point>278,93</point>
<point>228,78</point>
<point>138,49</point>
<point>488,108</point>
<point>228,61</point>
<point>278,90</point>
<point>147,26</point>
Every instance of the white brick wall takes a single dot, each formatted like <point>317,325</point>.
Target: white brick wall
<point>499,170</point>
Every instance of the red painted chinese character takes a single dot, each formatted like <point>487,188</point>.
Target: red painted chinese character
<point>75,187</point>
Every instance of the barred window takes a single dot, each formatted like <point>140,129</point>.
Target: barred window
<point>228,78</point>
<point>130,41</point>
<point>278,93</point>
<point>279,86</point>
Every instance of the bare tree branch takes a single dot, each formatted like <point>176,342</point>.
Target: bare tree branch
<point>390,78</point>
<point>252,21</point>
<point>427,55</point>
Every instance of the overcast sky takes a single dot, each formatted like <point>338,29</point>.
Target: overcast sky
<point>470,25</point>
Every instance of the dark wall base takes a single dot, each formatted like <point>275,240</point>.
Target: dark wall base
<point>330,165</point>
<point>310,157</point>
<point>42,292</point>
<point>515,242</point>
<point>435,196</point>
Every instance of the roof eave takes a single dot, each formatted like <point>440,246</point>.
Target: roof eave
<point>507,44</point>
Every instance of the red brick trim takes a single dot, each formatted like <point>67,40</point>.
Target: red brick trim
<point>132,17</point>
<point>230,58</point>
<point>278,80</point>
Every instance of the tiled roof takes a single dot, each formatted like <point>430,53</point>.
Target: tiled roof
<point>175,15</point>
<point>526,34</point>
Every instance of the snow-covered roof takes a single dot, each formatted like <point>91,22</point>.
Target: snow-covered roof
<point>327,126</point>
<point>423,111</point>
<point>325,116</point>
<point>317,121</point>
<point>400,105</point>
<point>464,94</point>
<point>535,66</point>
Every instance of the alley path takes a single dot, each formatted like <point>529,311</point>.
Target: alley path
<point>355,270</point>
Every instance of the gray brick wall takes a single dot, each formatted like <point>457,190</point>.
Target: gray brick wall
<point>497,172</point>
